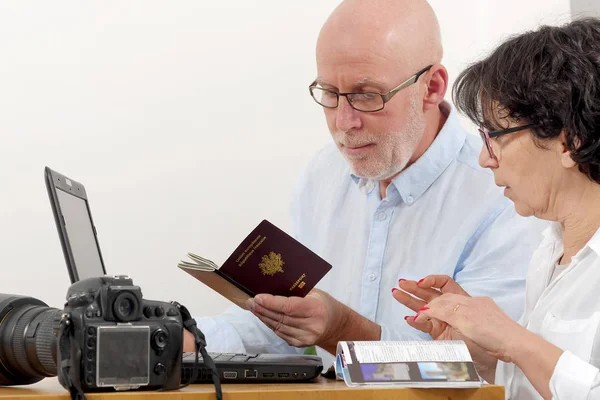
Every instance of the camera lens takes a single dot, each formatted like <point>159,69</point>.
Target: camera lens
<point>126,307</point>
<point>160,339</point>
<point>27,340</point>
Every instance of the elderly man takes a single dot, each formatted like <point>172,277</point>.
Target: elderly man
<point>398,195</point>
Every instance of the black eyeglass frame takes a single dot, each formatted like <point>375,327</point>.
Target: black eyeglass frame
<point>384,96</point>
<point>486,135</point>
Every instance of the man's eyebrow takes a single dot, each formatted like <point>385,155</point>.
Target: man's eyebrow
<point>361,82</point>
<point>368,81</point>
<point>321,82</point>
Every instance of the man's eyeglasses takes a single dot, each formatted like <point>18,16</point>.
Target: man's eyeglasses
<point>365,101</point>
<point>486,135</point>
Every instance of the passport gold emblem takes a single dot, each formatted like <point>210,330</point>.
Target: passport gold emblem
<point>271,264</point>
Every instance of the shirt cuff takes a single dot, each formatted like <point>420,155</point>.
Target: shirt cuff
<point>572,377</point>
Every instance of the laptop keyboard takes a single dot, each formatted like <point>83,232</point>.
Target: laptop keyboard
<point>222,357</point>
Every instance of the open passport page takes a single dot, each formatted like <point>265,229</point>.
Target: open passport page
<point>268,260</point>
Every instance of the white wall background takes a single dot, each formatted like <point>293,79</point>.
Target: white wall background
<point>187,121</point>
<point>581,8</point>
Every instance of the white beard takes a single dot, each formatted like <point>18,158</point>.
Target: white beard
<point>384,165</point>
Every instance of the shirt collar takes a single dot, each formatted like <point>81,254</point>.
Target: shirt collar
<point>553,234</point>
<point>417,178</point>
<point>594,242</point>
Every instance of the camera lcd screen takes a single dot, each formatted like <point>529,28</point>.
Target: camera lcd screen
<point>123,355</point>
<point>80,232</point>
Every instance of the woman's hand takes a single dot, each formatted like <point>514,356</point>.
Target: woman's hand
<point>428,289</point>
<point>477,319</point>
<point>425,291</point>
<point>486,326</point>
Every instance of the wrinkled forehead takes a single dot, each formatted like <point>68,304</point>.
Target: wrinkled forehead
<point>360,66</point>
<point>365,51</point>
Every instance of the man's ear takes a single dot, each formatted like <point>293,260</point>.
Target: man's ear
<point>437,84</point>
<point>564,152</point>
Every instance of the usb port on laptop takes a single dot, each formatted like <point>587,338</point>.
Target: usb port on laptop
<point>283,375</point>
<point>268,374</point>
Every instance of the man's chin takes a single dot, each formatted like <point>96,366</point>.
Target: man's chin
<point>374,175</point>
<point>366,168</point>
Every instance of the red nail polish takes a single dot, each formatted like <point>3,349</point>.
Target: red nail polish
<point>394,289</point>
<point>407,317</point>
<point>421,281</point>
<point>417,316</point>
<point>401,279</point>
<point>423,308</point>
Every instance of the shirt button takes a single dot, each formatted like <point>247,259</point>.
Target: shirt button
<point>381,216</point>
<point>372,277</point>
<point>410,200</point>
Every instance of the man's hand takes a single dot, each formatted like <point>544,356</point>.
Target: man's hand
<point>317,319</point>
<point>189,342</point>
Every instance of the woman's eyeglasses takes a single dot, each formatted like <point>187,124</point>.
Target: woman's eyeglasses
<point>486,135</point>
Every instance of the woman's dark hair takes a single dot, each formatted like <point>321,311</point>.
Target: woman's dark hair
<point>550,78</point>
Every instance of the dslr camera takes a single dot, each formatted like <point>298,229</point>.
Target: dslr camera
<point>106,337</point>
<point>110,337</point>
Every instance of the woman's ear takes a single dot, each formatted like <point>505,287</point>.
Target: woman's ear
<point>437,84</point>
<point>564,151</point>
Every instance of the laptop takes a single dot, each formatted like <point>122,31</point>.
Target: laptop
<point>81,249</point>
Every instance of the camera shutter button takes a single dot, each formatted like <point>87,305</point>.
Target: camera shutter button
<point>159,311</point>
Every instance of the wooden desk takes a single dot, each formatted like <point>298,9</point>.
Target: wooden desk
<point>321,389</point>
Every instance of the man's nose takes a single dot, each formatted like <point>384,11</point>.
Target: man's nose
<point>347,118</point>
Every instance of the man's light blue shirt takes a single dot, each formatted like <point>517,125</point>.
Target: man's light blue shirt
<point>441,215</point>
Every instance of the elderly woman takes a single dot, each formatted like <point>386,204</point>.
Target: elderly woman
<point>537,100</point>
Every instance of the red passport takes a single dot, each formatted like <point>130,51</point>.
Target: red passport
<point>268,260</point>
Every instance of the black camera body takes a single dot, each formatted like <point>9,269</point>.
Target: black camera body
<point>116,339</point>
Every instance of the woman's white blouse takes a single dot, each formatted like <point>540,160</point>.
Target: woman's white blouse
<point>565,312</point>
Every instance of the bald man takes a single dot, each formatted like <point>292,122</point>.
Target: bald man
<point>397,196</point>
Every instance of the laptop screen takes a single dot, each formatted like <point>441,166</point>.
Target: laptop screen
<point>80,233</point>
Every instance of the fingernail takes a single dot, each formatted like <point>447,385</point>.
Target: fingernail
<point>258,300</point>
<point>401,279</point>
<point>417,316</point>
<point>407,317</point>
<point>423,308</point>
<point>394,290</point>
<point>421,281</point>
<point>250,304</point>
